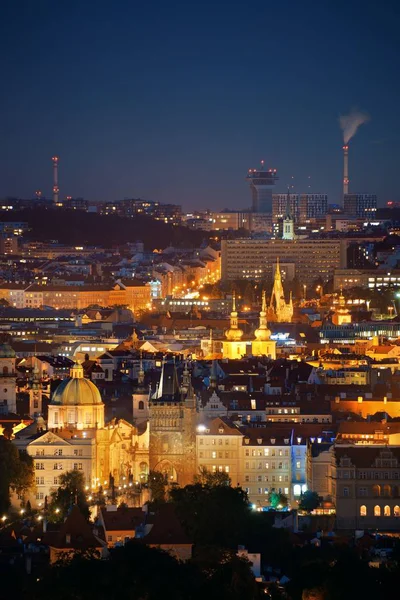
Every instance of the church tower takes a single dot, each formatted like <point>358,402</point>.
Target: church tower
<point>342,314</point>
<point>8,395</point>
<point>233,346</point>
<point>288,221</point>
<point>279,311</point>
<point>172,423</point>
<point>35,394</point>
<point>263,345</point>
<point>140,398</point>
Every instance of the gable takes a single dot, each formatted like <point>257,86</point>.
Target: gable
<point>51,439</point>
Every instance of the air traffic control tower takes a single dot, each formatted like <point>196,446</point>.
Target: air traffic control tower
<point>262,182</point>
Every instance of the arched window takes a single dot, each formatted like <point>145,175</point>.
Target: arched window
<point>376,491</point>
<point>396,511</point>
<point>386,511</point>
<point>377,511</point>
<point>141,405</point>
<point>5,370</point>
<point>363,511</point>
<point>144,469</point>
<point>387,491</point>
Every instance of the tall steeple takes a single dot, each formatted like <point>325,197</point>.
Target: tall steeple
<point>263,333</point>
<point>234,334</point>
<point>278,309</point>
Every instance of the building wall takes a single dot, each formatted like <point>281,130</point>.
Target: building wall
<point>254,258</point>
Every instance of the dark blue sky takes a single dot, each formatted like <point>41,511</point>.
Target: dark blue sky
<point>174,101</point>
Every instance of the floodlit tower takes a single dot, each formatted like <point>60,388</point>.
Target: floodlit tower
<point>55,179</point>
<point>262,182</point>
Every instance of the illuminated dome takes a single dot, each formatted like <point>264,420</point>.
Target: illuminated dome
<point>6,351</point>
<point>76,390</point>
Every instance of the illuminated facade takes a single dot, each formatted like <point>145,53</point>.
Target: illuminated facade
<point>279,310</point>
<point>263,345</point>
<point>233,347</point>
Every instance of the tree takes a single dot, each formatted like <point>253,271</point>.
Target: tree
<point>277,500</point>
<point>71,491</point>
<point>16,472</point>
<point>206,477</point>
<point>212,515</point>
<point>157,485</point>
<point>309,501</point>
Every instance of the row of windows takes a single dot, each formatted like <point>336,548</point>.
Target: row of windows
<point>267,465</point>
<point>378,511</point>
<point>58,466</point>
<point>272,478</point>
<point>57,452</point>
<point>267,452</point>
<point>40,480</point>
<point>266,490</point>
<point>369,475</point>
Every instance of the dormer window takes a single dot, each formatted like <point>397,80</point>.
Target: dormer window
<point>221,430</point>
<point>286,440</point>
<point>246,440</point>
<point>259,441</point>
<point>273,440</point>
<point>299,440</point>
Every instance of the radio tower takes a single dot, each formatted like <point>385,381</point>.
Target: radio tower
<point>55,179</point>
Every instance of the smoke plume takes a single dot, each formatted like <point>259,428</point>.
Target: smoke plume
<point>351,122</point>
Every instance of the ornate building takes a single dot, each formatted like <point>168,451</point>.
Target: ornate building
<point>342,314</point>
<point>233,346</point>
<point>279,310</point>
<point>172,424</point>
<point>35,394</point>
<point>263,345</point>
<point>78,439</point>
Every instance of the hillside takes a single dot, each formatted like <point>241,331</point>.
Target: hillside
<point>80,228</point>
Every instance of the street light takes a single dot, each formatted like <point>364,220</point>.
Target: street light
<point>320,290</point>
<point>305,291</point>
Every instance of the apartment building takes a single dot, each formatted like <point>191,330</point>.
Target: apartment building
<point>366,487</point>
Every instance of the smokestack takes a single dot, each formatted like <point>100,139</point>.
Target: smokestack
<point>55,179</point>
<point>345,169</point>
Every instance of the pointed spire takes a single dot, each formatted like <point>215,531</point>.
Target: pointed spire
<point>234,301</point>
<point>264,302</point>
<point>141,370</point>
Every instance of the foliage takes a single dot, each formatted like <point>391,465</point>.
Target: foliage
<point>309,501</point>
<point>157,485</point>
<point>16,472</point>
<point>138,572</point>
<point>70,491</point>
<point>277,500</point>
<point>206,477</point>
<point>80,228</point>
<point>212,515</point>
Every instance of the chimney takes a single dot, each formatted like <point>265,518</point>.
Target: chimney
<point>345,170</point>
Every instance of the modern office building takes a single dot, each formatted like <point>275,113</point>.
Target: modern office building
<point>312,206</point>
<point>362,206</point>
<point>254,258</point>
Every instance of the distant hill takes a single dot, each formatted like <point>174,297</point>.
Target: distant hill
<point>81,228</point>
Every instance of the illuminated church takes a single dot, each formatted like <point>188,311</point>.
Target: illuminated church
<point>279,310</point>
<point>77,438</point>
<point>263,345</point>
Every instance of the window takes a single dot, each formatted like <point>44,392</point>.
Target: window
<point>346,491</point>
<point>396,511</point>
<point>201,442</point>
<point>247,452</point>
<point>362,491</point>
<point>213,455</point>
<point>39,466</point>
<point>226,468</point>
<point>58,466</point>
<point>39,480</point>
<point>39,452</point>
<point>266,451</point>
<point>58,452</point>
<point>109,538</point>
<point>39,496</point>
<point>77,452</point>
<point>141,405</point>
<point>386,511</point>
<point>55,481</point>
<point>247,478</point>
<point>298,464</point>
<point>377,511</point>
<point>363,511</point>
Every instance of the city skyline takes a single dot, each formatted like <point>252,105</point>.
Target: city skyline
<point>175,104</point>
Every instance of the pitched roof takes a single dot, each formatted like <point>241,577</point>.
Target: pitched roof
<point>122,519</point>
<point>166,528</point>
<point>79,530</point>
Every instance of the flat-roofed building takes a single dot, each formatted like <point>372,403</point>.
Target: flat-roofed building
<point>254,258</point>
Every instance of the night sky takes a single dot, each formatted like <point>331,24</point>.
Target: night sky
<point>174,101</point>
